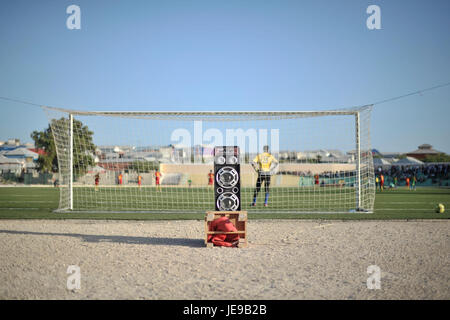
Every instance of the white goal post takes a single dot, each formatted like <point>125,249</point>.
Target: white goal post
<point>160,161</point>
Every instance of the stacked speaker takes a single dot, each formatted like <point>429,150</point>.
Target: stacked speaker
<point>227,181</point>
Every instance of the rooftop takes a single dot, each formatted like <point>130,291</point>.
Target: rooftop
<point>425,149</point>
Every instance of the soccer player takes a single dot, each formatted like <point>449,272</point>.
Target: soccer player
<point>301,181</point>
<point>377,182</point>
<point>210,178</point>
<point>413,183</point>
<point>139,181</point>
<point>407,182</point>
<point>157,179</point>
<point>381,182</point>
<point>120,179</point>
<point>97,181</point>
<point>316,179</point>
<point>265,164</point>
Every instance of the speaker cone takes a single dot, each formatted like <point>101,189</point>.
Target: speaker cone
<point>220,160</point>
<point>232,160</point>
<point>228,202</point>
<point>227,177</point>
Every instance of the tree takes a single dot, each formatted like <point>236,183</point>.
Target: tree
<point>319,158</point>
<point>47,162</point>
<point>83,146</point>
<point>441,157</point>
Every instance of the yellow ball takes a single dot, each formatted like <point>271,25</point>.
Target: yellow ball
<point>440,208</point>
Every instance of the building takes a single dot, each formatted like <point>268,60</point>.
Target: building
<point>391,156</point>
<point>423,151</point>
<point>17,157</point>
<point>11,165</point>
<point>22,153</point>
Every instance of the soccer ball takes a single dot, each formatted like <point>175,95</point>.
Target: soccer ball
<point>440,208</point>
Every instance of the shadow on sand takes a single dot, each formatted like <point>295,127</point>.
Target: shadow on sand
<point>185,242</point>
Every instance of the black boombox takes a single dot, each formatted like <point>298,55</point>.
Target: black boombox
<point>227,180</point>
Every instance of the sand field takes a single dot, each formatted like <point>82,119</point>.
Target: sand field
<point>285,259</point>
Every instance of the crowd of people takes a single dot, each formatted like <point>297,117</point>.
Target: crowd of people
<point>409,176</point>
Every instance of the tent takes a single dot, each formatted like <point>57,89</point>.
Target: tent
<point>380,162</point>
<point>408,161</point>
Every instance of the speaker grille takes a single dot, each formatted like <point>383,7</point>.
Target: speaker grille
<point>228,201</point>
<point>227,177</point>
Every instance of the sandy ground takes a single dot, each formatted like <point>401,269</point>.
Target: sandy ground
<point>286,259</point>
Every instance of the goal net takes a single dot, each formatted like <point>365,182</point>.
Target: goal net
<point>161,161</point>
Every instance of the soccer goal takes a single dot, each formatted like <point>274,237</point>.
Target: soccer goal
<point>321,161</point>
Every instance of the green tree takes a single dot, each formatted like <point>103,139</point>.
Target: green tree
<point>441,157</point>
<point>47,162</point>
<point>83,146</point>
<point>319,158</point>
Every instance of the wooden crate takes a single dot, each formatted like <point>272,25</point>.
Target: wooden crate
<point>238,218</point>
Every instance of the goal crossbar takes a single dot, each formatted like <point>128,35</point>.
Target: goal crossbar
<point>214,115</point>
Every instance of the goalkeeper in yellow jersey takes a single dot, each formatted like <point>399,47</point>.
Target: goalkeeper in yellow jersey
<point>265,164</point>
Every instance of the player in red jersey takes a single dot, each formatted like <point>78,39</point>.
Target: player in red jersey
<point>158,179</point>
<point>210,178</point>
<point>97,181</point>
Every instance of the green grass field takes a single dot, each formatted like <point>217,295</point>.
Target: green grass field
<point>39,203</point>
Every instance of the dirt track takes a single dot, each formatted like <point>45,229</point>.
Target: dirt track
<point>286,259</point>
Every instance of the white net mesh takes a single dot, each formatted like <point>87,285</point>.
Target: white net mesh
<point>324,159</point>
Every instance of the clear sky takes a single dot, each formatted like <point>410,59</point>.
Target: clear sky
<point>230,55</point>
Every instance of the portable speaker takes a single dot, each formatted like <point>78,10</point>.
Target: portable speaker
<point>227,180</point>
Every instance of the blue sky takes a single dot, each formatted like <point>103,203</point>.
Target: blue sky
<point>230,55</point>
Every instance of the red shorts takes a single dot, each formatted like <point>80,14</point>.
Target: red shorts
<point>157,181</point>
<point>210,182</point>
